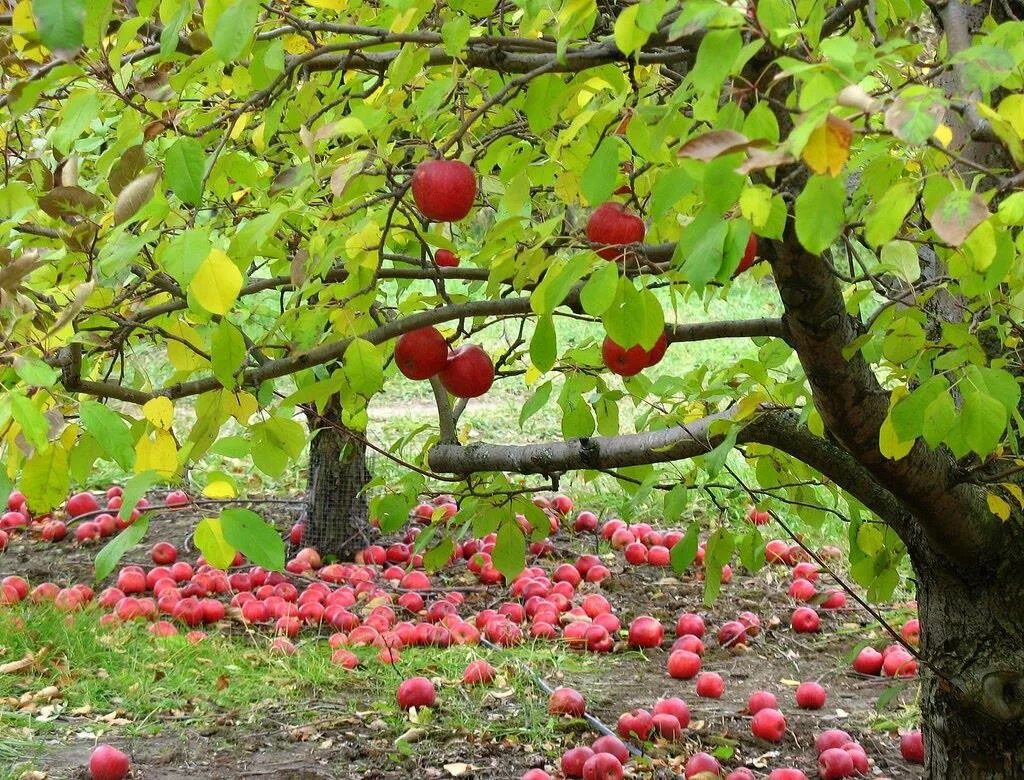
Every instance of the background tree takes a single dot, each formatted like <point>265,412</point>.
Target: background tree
<point>203,207</point>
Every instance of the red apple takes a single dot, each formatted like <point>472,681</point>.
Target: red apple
<point>831,738</point>
<point>469,372</point>
<point>81,503</point>
<point>805,570</point>
<point>567,701</point>
<point>446,258</point>
<point>810,696</point>
<point>911,632</point>
<point>769,724</point>
<point>758,516</point>
<point>761,700</point>
<point>421,353</point>
<point>732,634</point>
<point>899,663</point>
<point>835,763</point>
<point>585,521</point>
<point>636,723</point>
<point>444,190</point>
<point>834,599</point>
<point>868,661</point>
<point>635,553</point>
<point>683,665</point>
<point>658,555</point>
<point>163,553</point>
<point>108,763</point>
<point>858,756</point>
<point>776,551</point>
<point>710,685</point>
<point>416,692</point>
<point>52,531</point>
<point>667,726</point>
<point>574,759</point>
<point>805,620</point>
<point>786,773</point>
<point>802,590</point>
<point>645,632</point>
<point>742,773</point>
<point>602,766</point>
<point>87,532</point>
<point>478,672</point>
<point>16,500</point>
<point>562,504</point>
<point>751,621</point>
<point>703,765</point>
<point>298,530</point>
<point>598,639</point>
<point>690,623</point>
<point>625,362</point>
<point>535,774</point>
<point>176,498</point>
<point>688,642</point>
<point>912,746</point>
<point>611,227</point>
<point>675,707</point>
<point>611,744</point>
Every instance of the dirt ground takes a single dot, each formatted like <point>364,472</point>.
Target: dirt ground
<point>341,736</point>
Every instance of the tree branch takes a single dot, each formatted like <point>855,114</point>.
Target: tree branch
<point>727,329</point>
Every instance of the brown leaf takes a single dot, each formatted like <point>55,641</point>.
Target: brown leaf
<point>62,202</point>
<point>759,159</point>
<point>287,178</point>
<point>854,96</point>
<point>957,215</point>
<point>135,195</point>
<point>127,167</point>
<point>344,173</point>
<point>714,144</point>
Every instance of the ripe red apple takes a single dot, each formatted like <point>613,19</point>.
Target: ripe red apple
<point>535,774</point>
<point>835,763</point>
<point>611,744</point>
<point>667,726</point>
<point>835,599</point>
<point>622,538</point>
<point>899,663</point>
<point>776,551</point>
<point>163,553</point>
<point>602,766</point>
<point>742,773</point>
<point>4,539</point>
<point>732,634</point>
<point>787,773</point>
<point>805,570</point>
<point>749,256</point>
<point>444,190</point>
<point>683,665</point>
<point>858,756</point>
<point>298,530</point>
<point>645,632</point>
<point>598,639</point>
<point>690,623</point>
<point>421,353</point>
<point>567,701</point>
<point>15,500</point>
<point>810,696</point>
<point>831,738</point>
<point>176,498</point>
<point>868,661</point>
<point>636,723</point>
<point>108,763</point>
<point>658,556</point>
<point>562,504</point>
<point>574,759</point>
<point>675,707</point>
<point>761,700</point>
<point>702,764</point>
<point>81,503</point>
<point>802,590</point>
<point>416,692</point>
<point>688,642</point>
<point>52,531</point>
<point>911,632</point>
<point>469,372</point>
<point>585,521</point>
<point>611,227</point>
<point>912,746</point>
<point>769,724</point>
<point>87,532</point>
<point>751,621</point>
<point>446,258</point>
<point>805,620</point>
<point>710,685</point>
<point>625,362</point>
<point>635,553</point>
<point>758,516</point>
<point>595,604</point>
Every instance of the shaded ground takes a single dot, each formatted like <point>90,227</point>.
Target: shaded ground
<point>313,720</point>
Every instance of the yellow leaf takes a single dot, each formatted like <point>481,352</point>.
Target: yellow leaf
<point>181,357</point>
<point>296,44</point>
<point>532,375</point>
<point>749,404</point>
<point>828,148</point>
<point>1011,108</point>
<point>217,283</point>
<point>239,126</point>
<point>889,443</point>
<point>998,507</point>
<point>329,5</point>
<point>157,453</point>
<point>1015,491</point>
<point>220,488</point>
<point>160,412</point>
<point>944,135</point>
<point>241,406</point>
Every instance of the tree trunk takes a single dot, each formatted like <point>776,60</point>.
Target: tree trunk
<point>972,703</point>
<point>337,514</point>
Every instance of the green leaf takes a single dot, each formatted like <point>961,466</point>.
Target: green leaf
<point>34,425</point>
<point>715,459</point>
<point>886,215</point>
<point>257,539</point>
<point>904,340</point>
<point>819,213</point>
<point>939,419</point>
<point>363,365</point>
<point>701,248</point>
<point>751,550</point>
<point>535,402</point>
<point>134,489</point>
<point>60,23</point>
<point>685,550</point>
<point>184,163</point>
<point>114,550</point>
<point>392,512</point>
<point>598,292</point>
<point>183,255</point>
<point>227,352</point>
<point>438,556</point>
<point>110,430</point>
<point>598,180</point>
<point>908,414</point>
<point>78,111</point>
<point>628,35</point>
<point>44,480</point>
<point>543,102</point>
<point>635,318</point>
<point>34,371</point>
<point>982,420</point>
<point>544,344</point>
<point>669,188</point>
<point>675,503</point>
<point>510,549</point>
<point>558,281</point>
<point>209,539</point>
<point>715,59</point>
<point>234,29</point>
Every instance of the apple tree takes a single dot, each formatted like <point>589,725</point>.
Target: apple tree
<point>214,214</point>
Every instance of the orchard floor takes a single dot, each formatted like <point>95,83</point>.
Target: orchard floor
<point>227,708</point>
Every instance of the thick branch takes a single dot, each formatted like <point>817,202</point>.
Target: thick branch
<point>728,329</point>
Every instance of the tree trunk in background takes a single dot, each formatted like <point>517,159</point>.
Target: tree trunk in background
<point>337,513</point>
<point>974,633</point>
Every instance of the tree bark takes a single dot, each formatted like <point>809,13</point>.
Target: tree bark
<point>337,513</point>
<point>972,699</point>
